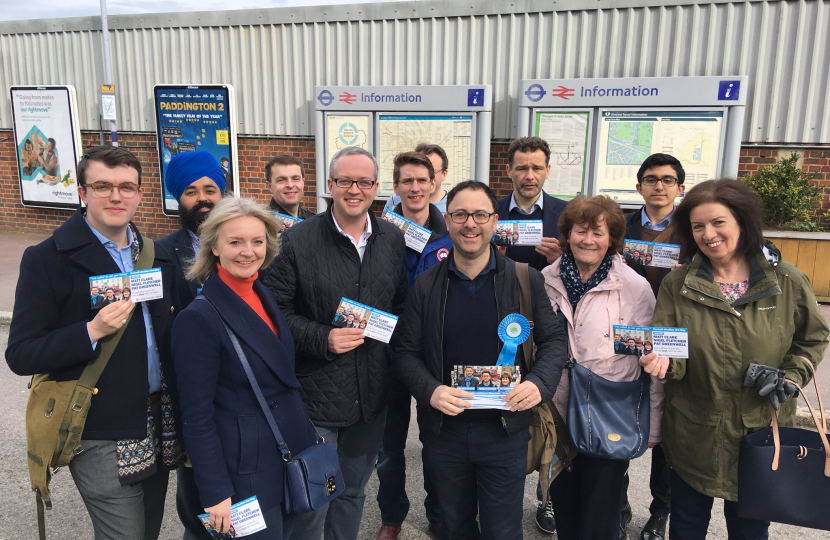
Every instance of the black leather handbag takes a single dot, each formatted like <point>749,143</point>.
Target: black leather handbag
<point>312,477</point>
<point>608,419</point>
<point>784,472</point>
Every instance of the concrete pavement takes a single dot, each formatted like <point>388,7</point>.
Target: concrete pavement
<point>68,519</point>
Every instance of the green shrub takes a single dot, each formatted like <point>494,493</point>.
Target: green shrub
<point>788,196</point>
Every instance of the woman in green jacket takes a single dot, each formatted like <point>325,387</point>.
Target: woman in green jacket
<point>743,307</point>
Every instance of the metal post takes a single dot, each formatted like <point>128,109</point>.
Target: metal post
<point>105,42</point>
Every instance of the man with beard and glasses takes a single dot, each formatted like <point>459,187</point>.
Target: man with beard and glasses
<point>198,182</point>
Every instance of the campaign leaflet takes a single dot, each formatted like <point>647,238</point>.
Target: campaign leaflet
<point>246,518</point>
<point>376,324</point>
<point>138,286</point>
<point>640,340</point>
<point>286,221</point>
<point>518,233</point>
<point>415,236</point>
<point>487,384</point>
<point>645,253</point>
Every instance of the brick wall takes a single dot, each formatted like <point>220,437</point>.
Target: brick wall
<point>253,154</point>
<point>815,161</point>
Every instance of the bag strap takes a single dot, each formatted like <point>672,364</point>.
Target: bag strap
<point>94,368</point>
<point>665,234</point>
<point>526,309</point>
<point>284,450</point>
<point>820,427</point>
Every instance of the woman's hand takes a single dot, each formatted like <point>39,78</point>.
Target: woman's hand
<point>220,516</point>
<point>655,365</point>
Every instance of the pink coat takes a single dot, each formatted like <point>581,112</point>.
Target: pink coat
<point>623,298</point>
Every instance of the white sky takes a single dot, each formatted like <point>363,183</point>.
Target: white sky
<point>11,10</point>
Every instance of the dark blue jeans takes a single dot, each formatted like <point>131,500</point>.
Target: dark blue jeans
<point>482,473</point>
<point>392,499</point>
<point>691,511</point>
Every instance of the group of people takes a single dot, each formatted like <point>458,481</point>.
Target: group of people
<point>639,257</point>
<point>110,296</point>
<point>177,393</point>
<point>345,318</point>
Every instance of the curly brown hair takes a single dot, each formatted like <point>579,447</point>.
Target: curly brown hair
<point>582,210</point>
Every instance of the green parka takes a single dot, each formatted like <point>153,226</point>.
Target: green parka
<point>707,412</point>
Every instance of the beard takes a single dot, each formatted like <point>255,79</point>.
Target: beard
<point>191,219</point>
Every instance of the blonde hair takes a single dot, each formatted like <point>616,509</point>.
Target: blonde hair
<point>228,208</point>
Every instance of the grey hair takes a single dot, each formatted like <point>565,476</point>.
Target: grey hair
<point>353,151</point>
<point>228,208</point>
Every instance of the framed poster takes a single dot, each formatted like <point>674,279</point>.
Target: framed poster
<point>568,133</point>
<point>48,143</point>
<point>196,117</point>
<point>626,137</point>
<point>347,129</point>
<point>402,132</point>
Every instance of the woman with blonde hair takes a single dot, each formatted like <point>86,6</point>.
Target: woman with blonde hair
<point>234,453</point>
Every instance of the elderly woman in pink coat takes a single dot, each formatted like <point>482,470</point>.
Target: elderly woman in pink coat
<point>593,289</point>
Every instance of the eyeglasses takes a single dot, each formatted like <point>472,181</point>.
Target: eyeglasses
<point>459,217</point>
<point>668,181</point>
<point>127,190</point>
<point>347,183</point>
<point>423,182</point>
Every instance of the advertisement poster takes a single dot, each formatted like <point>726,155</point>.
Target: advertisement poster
<point>642,340</point>
<point>642,253</point>
<point>344,130</point>
<point>628,137</point>
<point>487,384</point>
<point>190,118</point>
<point>568,134</point>
<point>48,144</point>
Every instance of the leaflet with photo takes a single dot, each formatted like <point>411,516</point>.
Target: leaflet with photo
<point>376,324</point>
<point>518,233</point>
<point>643,253</point>
<point>640,340</point>
<point>286,221</point>
<point>138,286</point>
<point>415,236</point>
<point>487,384</point>
<point>246,518</point>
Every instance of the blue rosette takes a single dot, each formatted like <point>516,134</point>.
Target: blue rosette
<point>513,331</point>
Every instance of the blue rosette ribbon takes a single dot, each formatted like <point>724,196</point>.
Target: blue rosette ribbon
<point>513,331</point>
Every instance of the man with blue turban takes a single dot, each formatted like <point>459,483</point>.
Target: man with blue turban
<point>197,182</point>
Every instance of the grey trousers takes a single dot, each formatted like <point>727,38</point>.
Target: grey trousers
<point>117,512</point>
<point>357,450</point>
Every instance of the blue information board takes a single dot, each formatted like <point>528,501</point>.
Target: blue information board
<point>192,118</point>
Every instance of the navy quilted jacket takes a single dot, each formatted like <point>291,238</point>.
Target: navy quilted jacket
<point>317,266</point>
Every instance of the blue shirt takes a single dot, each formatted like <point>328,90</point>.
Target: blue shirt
<point>540,202</point>
<point>473,285</point>
<point>124,259</point>
<point>195,242</point>
<point>394,201</point>
<point>647,224</point>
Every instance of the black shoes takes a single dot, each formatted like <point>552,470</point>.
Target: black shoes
<point>625,519</point>
<point>655,528</point>
<point>545,519</point>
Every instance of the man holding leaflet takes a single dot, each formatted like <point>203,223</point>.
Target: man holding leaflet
<point>414,179</point>
<point>345,378</point>
<point>479,455</point>
<point>528,166</point>
<point>438,157</point>
<point>660,181</point>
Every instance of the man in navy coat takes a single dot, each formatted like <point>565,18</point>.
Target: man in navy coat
<point>55,330</point>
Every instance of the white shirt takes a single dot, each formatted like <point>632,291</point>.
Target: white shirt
<point>361,242</point>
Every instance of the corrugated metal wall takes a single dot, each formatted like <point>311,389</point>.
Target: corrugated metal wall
<point>274,57</point>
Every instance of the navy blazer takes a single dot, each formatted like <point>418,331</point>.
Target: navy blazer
<point>232,449</point>
<point>180,247</point>
<point>48,330</point>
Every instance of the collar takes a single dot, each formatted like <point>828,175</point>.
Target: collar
<point>646,222</point>
<point>491,265</point>
<point>367,230</point>
<point>106,241</point>
<point>540,203</point>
